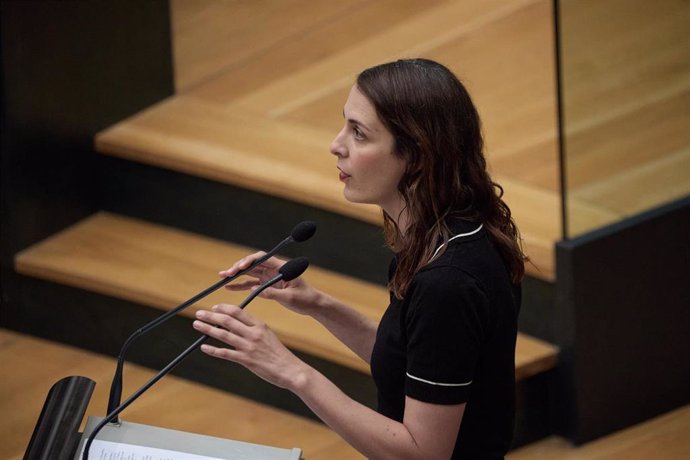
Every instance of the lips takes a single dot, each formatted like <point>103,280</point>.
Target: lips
<point>343,176</point>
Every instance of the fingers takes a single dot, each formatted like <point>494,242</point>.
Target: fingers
<point>242,264</point>
<point>223,353</point>
<point>235,312</point>
<point>272,263</point>
<point>228,317</point>
<point>272,293</point>
<point>242,286</point>
<point>259,350</point>
<point>234,327</point>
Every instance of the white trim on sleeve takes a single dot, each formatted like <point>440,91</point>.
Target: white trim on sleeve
<point>439,383</point>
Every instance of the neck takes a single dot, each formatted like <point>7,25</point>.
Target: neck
<point>399,215</point>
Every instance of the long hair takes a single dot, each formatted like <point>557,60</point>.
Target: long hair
<point>437,132</point>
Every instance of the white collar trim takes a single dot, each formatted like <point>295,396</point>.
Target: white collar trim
<point>460,235</point>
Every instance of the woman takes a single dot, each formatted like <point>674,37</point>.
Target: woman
<point>442,356</point>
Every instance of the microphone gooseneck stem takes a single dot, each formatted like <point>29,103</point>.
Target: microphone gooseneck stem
<point>260,289</point>
<point>112,415</point>
<point>116,387</point>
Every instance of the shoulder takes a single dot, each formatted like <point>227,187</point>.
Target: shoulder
<point>446,291</point>
<point>443,277</point>
<point>472,253</point>
<point>458,265</point>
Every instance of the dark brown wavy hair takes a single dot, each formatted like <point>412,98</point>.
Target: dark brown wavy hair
<point>437,131</point>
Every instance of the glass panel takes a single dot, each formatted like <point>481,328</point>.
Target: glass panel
<point>625,93</point>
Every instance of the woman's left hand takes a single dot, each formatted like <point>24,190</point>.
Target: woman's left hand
<point>252,343</point>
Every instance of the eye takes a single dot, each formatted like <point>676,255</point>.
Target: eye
<point>358,134</point>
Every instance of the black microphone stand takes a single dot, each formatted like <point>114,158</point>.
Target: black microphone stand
<point>302,232</point>
<point>287,272</point>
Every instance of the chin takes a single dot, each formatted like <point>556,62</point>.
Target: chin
<point>354,197</point>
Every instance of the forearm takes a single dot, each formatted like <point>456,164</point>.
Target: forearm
<point>351,327</point>
<point>372,434</point>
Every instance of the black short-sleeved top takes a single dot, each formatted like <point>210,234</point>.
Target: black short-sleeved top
<point>451,340</point>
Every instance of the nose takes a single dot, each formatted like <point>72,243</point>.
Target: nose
<point>338,145</point>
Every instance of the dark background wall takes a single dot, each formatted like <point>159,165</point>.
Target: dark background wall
<point>69,69</point>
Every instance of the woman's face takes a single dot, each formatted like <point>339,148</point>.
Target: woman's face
<point>368,166</point>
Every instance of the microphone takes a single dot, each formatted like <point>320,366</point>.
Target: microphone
<point>301,232</point>
<point>289,271</point>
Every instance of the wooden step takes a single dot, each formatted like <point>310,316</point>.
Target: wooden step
<point>32,365</point>
<point>161,267</point>
<point>664,437</point>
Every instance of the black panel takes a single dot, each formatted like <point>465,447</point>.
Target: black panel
<point>624,322</point>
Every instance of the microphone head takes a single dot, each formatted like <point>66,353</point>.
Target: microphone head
<point>303,231</point>
<point>293,268</point>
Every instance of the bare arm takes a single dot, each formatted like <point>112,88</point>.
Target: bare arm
<point>351,327</point>
<point>428,431</point>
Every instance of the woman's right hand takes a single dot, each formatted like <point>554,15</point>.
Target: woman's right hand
<point>296,294</point>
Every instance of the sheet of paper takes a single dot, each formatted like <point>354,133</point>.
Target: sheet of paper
<point>107,450</point>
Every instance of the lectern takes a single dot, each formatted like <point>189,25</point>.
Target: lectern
<point>57,437</point>
<point>126,439</point>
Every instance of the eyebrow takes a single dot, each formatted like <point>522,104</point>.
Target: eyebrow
<point>354,121</point>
